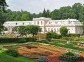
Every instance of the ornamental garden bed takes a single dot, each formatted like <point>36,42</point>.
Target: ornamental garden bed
<point>41,50</point>
<point>36,51</point>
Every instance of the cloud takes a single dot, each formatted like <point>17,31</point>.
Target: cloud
<point>36,6</point>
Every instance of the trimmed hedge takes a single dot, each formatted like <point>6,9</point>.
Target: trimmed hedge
<point>16,40</point>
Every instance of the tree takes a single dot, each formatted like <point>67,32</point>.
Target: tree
<point>63,31</point>
<point>25,16</point>
<point>74,12</point>
<point>32,29</point>
<point>78,9</point>
<point>44,13</point>
<point>55,14</point>
<point>21,30</point>
<point>1,28</point>
<point>3,5</point>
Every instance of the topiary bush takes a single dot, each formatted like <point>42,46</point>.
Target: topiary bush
<point>71,57</point>
<point>13,53</point>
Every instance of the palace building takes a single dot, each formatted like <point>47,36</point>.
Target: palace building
<point>47,24</point>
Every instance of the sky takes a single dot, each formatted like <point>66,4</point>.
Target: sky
<point>36,6</point>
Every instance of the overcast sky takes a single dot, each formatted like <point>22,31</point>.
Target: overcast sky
<point>36,6</point>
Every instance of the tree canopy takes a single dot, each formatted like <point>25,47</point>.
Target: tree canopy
<point>75,11</point>
<point>63,31</point>
<point>32,29</point>
<point>3,6</point>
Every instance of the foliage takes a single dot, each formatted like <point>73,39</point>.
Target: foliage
<point>16,40</point>
<point>1,28</point>
<point>22,40</point>
<point>74,12</point>
<point>63,43</point>
<point>74,35</point>
<point>21,30</point>
<point>32,29</point>
<point>3,6</point>
<point>63,31</point>
<point>44,41</point>
<point>52,35</point>
<point>18,15</point>
<point>71,57</point>
<point>13,53</point>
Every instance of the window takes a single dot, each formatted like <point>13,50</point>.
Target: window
<point>38,22</point>
<point>23,23</point>
<point>41,22</point>
<point>16,23</point>
<point>55,22</point>
<point>69,22</point>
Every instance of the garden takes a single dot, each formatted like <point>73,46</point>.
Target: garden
<point>36,51</point>
<point>49,47</point>
<point>27,44</point>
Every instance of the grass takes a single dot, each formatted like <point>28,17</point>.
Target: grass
<point>7,58</point>
<point>59,43</point>
<point>72,45</point>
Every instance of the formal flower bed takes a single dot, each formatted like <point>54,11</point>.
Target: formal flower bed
<point>37,51</point>
<point>41,50</point>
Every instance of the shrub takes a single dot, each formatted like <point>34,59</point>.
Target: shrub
<point>52,35</point>
<point>16,40</point>
<point>63,31</point>
<point>67,38</point>
<point>45,41</point>
<point>73,35</point>
<point>13,53</point>
<point>71,57</point>
<point>22,40</point>
<point>43,59</point>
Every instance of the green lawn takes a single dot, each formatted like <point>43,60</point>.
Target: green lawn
<point>72,45</point>
<point>7,58</point>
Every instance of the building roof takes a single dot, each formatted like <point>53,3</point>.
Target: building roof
<point>66,22</point>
